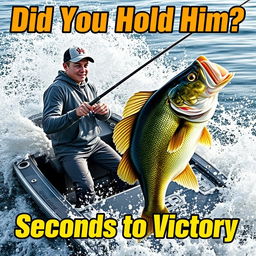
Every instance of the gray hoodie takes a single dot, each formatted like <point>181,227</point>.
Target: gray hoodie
<point>69,133</point>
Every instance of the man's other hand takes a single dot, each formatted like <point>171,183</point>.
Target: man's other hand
<point>100,108</point>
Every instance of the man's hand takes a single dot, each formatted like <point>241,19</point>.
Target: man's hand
<point>83,109</point>
<point>100,108</point>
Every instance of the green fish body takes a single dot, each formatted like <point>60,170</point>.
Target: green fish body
<point>160,130</point>
<point>155,166</point>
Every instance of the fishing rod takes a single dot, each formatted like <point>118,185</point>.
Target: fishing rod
<point>138,69</point>
<point>144,65</point>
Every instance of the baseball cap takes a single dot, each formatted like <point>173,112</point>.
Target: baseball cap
<point>76,54</point>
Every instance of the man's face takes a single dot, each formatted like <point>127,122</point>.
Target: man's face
<point>77,70</point>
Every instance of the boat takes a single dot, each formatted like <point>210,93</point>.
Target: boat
<point>46,183</point>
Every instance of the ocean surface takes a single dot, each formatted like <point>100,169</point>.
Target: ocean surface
<point>29,62</point>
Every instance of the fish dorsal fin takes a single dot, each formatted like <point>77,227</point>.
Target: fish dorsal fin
<point>123,130</point>
<point>126,171</point>
<point>206,137</point>
<point>177,139</point>
<point>122,133</point>
<point>187,179</point>
<point>136,102</point>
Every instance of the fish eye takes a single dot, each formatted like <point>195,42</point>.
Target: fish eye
<point>191,77</point>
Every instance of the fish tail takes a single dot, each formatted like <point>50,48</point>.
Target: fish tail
<point>149,218</point>
<point>150,224</point>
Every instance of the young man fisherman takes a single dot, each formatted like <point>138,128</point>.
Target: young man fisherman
<point>71,123</point>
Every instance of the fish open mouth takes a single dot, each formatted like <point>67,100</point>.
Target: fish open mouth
<point>197,117</point>
<point>217,75</point>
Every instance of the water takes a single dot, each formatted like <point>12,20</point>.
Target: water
<point>29,62</point>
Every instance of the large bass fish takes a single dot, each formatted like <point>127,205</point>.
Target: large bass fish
<point>160,130</point>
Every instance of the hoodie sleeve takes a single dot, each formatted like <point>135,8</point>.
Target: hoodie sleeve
<point>98,116</point>
<point>53,120</point>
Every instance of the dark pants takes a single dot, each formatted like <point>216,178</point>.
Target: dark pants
<point>76,167</point>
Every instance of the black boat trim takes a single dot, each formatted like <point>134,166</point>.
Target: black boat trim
<point>36,197</point>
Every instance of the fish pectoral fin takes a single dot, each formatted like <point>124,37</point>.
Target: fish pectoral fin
<point>187,179</point>
<point>177,140</point>
<point>122,133</point>
<point>206,137</point>
<point>136,102</point>
<point>126,171</point>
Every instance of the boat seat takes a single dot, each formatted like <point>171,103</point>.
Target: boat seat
<point>56,165</point>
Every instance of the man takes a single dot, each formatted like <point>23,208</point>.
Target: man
<point>71,123</point>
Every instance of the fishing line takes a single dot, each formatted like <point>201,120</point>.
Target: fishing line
<point>245,2</point>
<point>144,65</point>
